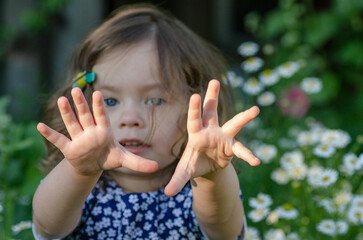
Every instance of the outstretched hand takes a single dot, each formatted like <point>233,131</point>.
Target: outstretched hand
<point>92,147</point>
<point>210,147</point>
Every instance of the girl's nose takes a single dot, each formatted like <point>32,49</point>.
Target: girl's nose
<point>131,118</point>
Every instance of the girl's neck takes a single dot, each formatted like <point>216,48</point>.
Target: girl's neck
<point>142,183</point>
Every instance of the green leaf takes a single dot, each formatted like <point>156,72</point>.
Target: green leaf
<point>351,53</point>
<point>13,174</point>
<point>275,23</point>
<point>320,28</point>
<point>34,20</point>
<point>4,102</point>
<point>52,6</point>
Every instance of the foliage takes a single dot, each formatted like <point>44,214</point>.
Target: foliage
<point>309,185</point>
<point>21,147</point>
<point>327,36</point>
<point>32,21</point>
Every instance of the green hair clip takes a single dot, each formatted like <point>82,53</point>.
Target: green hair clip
<point>83,78</point>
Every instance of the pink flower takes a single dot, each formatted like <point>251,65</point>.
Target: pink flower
<point>294,102</point>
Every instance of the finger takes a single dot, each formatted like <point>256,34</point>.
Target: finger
<point>68,116</point>
<point>99,110</point>
<point>58,139</point>
<point>194,114</point>
<point>210,104</point>
<point>84,114</point>
<point>244,153</point>
<point>234,125</point>
<point>137,163</point>
<point>180,177</point>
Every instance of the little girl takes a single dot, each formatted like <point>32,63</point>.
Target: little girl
<point>130,157</point>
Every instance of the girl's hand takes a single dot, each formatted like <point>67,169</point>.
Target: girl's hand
<point>92,147</point>
<point>210,147</point>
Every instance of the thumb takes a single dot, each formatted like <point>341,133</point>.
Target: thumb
<point>137,163</point>
<point>180,177</point>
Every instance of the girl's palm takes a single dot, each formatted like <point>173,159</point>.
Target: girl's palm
<point>210,147</point>
<point>92,147</point>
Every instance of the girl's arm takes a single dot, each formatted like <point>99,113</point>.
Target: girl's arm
<point>58,201</point>
<point>207,162</point>
<point>217,204</point>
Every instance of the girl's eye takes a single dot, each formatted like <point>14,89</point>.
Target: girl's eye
<point>109,102</point>
<point>155,101</point>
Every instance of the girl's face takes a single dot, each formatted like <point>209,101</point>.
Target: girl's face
<point>144,118</point>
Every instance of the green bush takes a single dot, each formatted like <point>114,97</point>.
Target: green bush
<point>21,148</point>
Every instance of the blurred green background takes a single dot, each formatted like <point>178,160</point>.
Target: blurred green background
<point>38,37</point>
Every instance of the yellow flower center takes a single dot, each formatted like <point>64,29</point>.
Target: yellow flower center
<point>267,72</point>
<point>253,81</point>
<point>287,206</point>
<point>326,178</point>
<point>250,60</point>
<point>287,65</point>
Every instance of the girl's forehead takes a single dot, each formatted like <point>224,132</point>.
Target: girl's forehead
<point>136,63</point>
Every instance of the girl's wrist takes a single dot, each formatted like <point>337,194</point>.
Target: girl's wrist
<point>79,174</point>
<point>213,176</point>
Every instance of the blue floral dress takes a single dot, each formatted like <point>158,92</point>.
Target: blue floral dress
<point>113,214</point>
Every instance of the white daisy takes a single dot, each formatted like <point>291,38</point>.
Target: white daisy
<point>256,215</point>
<point>342,198</point>
<point>327,227</point>
<point>252,234</point>
<point>314,173</point>
<point>357,201</point>
<point>266,152</point>
<point>252,64</point>
<point>351,161</point>
<point>272,218</point>
<point>288,69</point>
<point>287,211</point>
<point>248,49</point>
<point>324,151</point>
<point>307,138</point>
<point>1,208</point>
<point>292,236</point>
<point>341,227</point>
<point>294,158</point>
<point>355,215</point>
<point>297,172</point>
<point>336,138</point>
<point>23,225</point>
<point>346,171</point>
<point>268,77</point>
<point>252,86</point>
<point>261,201</point>
<point>280,176</point>
<point>266,99</point>
<point>327,177</point>
<point>275,234</point>
<point>311,85</point>
<point>233,79</point>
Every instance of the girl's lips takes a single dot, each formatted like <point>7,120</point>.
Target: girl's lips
<point>136,149</point>
<point>135,146</point>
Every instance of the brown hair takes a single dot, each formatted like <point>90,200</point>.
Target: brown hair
<point>187,63</point>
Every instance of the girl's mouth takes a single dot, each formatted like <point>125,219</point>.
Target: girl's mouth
<point>135,146</point>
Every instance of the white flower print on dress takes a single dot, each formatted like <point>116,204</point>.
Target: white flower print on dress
<point>113,214</point>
